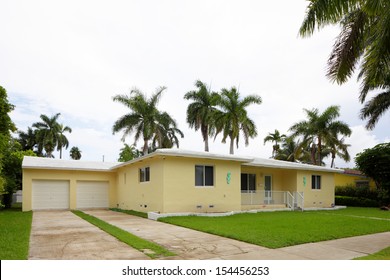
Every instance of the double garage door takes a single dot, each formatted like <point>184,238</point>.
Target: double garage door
<point>55,194</point>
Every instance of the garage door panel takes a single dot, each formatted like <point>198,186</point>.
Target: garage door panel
<point>50,194</point>
<point>92,194</point>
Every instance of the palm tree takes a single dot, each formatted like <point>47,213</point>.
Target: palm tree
<point>47,132</point>
<point>144,119</point>
<point>62,140</point>
<point>274,137</point>
<point>200,111</point>
<point>319,128</point>
<point>75,153</point>
<point>233,117</point>
<point>339,148</point>
<point>363,41</point>
<point>293,151</point>
<point>165,136</point>
<point>27,139</point>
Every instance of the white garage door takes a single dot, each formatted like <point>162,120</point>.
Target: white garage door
<point>92,194</point>
<point>50,194</point>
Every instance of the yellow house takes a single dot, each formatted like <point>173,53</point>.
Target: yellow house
<point>355,178</point>
<point>176,181</point>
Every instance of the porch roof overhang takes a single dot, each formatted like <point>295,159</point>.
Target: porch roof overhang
<point>279,164</point>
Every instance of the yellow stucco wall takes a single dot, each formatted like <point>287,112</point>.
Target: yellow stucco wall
<point>68,175</point>
<point>323,197</point>
<point>141,196</point>
<point>343,180</point>
<point>181,194</point>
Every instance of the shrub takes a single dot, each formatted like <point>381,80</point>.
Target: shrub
<point>356,201</point>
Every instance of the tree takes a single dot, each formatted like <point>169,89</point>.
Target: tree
<point>48,133</point>
<point>320,129</point>
<point>233,117</point>
<point>200,112</point>
<point>277,138</point>
<point>339,148</point>
<point>144,118</point>
<point>363,41</point>
<point>6,127</point>
<point>165,136</point>
<point>128,153</point>
<point>293,151</point>
<point>75,153</point>
<point>375,163</point>
<point>62,140</point>
<point>27,139</point>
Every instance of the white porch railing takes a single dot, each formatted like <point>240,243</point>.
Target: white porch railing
<point>292,201</point>
<point>298,200</point>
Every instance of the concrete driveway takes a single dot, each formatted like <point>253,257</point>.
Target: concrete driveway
<point>63,235</point>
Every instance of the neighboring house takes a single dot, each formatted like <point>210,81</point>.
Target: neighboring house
<point>355,178</point>
<point>173,180</point>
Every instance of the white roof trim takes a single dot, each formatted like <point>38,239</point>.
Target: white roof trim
<point>61,164</point>
<point>280,164</point>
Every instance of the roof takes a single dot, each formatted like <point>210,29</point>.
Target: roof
<point>188,154</point>
<point>49,163</point>
<point>280,164</point>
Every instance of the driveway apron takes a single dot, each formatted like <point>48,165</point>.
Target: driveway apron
<point>63,235</point>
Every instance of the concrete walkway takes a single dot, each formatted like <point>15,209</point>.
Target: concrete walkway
<point>191,244</point>
<point>62,235</point>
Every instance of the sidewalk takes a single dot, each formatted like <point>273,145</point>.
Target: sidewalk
<point>190,244</point>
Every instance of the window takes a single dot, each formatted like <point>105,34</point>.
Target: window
<point>144,174</point>
<point>315,182</point>
<point>248,182</point>
<point>204,175</point>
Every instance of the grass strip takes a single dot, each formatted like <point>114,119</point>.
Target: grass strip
<point>131,212</point>
<point>148,248</point>
<point>15,232</point>
<point>381,255</point>
<point>281,229</point>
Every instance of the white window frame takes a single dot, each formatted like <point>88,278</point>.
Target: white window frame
<point>247,185</point>
<point>142,171</point>
<point>316,182</point>
<point>204,176</point>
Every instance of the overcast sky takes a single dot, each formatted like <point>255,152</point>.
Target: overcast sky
<point>73,56</point>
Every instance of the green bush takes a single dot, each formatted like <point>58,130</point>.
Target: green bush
<point>362,191</point>
<point>356,201</point>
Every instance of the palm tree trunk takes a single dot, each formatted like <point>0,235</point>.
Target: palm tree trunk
<point>231,145</point>
<point>205,137</point>
<point>61,153</point>
<point>145,149</point>
<point>319,151</point>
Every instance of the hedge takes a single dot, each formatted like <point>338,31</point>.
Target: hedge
<point>356,201</point>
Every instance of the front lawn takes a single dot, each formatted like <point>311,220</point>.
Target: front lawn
<point>15,228</point>
<point>281,229</point>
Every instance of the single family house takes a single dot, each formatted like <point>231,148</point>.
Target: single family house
<point>174,180</point>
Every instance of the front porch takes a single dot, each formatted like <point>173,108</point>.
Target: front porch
<point>257,199</point>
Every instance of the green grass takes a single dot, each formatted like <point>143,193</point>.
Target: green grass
<point>131,212</point>
<point>15,228</point>
<point>281,229</point>
<point>381,255</point>
<point>148,248</point>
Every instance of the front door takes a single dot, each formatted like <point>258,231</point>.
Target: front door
<point>267,188</point>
